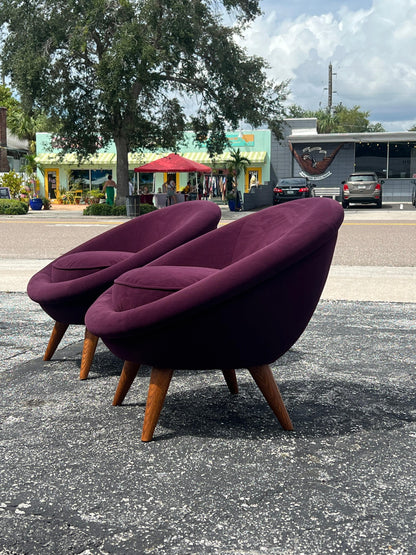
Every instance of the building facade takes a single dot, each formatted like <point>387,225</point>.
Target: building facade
<point>328,159</point>
<point>58,174</point>
<point>12,149</point>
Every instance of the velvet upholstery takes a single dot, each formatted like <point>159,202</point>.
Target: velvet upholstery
<point>148,284</point>
<point>67,287</point>
<point>269,270</point>
<point>80,264</point>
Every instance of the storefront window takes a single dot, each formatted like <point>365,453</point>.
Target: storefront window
<point>402,160</point>
<point>145,182</point>
<point>79,179</point>
<point>88,179</point>
<point>98,178</point>
<point>371,157</point>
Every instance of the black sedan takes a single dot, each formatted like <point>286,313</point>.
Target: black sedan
<point>292,188</point>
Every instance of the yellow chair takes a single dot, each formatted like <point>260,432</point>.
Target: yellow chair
<point>78,196</point>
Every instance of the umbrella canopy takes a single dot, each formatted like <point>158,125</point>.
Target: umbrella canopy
<point>173,163</point>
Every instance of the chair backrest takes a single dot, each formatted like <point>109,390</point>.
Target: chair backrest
<point>272,267</point>
<point>189,219</point>
<point>146,237</point>
<point>289,229</point>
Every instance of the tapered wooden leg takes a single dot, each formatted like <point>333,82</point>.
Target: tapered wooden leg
<point>88,351</point>
<point>128,374</point>
<point>231,379</point>
<point>57,334</point>
<point>264,379</point>
<point>158,387</point>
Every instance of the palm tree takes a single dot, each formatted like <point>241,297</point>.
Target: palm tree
<point>25,126</point>
<point>238,162</point>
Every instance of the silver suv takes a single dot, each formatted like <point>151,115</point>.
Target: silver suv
<point>362,187</point>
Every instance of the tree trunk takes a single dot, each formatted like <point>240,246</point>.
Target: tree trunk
<point>122,180</point>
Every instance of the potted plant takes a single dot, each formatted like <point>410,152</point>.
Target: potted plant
<point>46,203</point>
<point>238,163</point>
<point>36,203</point>
<point>231,191</point>
<point>94,196</point>
<point>231,196</point>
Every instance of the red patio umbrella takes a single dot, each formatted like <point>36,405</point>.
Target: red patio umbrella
<point>173,163</point>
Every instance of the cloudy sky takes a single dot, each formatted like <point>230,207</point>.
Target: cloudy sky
<point>371,44</point>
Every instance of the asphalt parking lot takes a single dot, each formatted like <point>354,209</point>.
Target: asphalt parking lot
<point>221,477</point>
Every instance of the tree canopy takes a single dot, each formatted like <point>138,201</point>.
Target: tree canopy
<point>21,123</point>
<point>135,71</point>
<point>340,120</point>
<point>7,100</point>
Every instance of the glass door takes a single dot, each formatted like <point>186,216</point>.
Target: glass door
<point>252,178</point>
<point>52,183</point>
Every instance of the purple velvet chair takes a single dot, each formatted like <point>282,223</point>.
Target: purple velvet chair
<point>68,286</point>
<point>261,273</point>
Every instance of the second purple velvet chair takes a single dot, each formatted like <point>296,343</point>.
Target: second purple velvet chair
<point>67,287</point>
<point>261,273</point>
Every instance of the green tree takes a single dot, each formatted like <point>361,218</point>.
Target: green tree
<point>376,128</point>
<point>13,181</point>
<point>340,120</point>
<point>7,100</point>
<point>20,122</point>
<point>350,120</point>
<point>238,162</point>
<point>134,71</point>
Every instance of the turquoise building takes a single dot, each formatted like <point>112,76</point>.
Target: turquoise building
<point>57,173</point>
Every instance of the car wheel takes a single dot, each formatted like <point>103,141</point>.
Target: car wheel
<point>345,203</point>
<point>379,203</point>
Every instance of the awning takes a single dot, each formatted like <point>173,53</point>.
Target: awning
<point>225,158</point>
<point>173,163</point>
<point>100,159</point>
<point>139,158</point>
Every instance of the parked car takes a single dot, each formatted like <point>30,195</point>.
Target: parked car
<point>362,187</point>
<point>292,188</point>
<point>414,195</point>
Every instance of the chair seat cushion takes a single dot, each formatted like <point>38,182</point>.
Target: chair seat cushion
<point>148,284</point>
<point>80,264</point>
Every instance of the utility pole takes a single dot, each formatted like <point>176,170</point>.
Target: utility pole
<point>330,74</point>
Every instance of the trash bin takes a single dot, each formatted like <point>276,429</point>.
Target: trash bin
<point>133,206</point>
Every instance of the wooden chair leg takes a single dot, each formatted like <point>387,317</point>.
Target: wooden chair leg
<point>88,351</point>
<point>231,379</point>
<point>128,374</point>
<point>57,334</point>
<point>158,387</point>
<point>264,379</point>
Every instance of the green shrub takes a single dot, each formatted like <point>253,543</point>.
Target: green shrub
<point>46,203</point>
<point>146,208</point>
<point>120,210</point>
<point>94,196</point>
<point>13,207</point>
<point>13,181</point>
<point>98,210</point>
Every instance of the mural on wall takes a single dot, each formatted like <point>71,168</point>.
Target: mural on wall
<point>237,140</point>
<point>314,160</point>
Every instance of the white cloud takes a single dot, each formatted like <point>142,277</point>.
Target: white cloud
<point>372,52</point>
